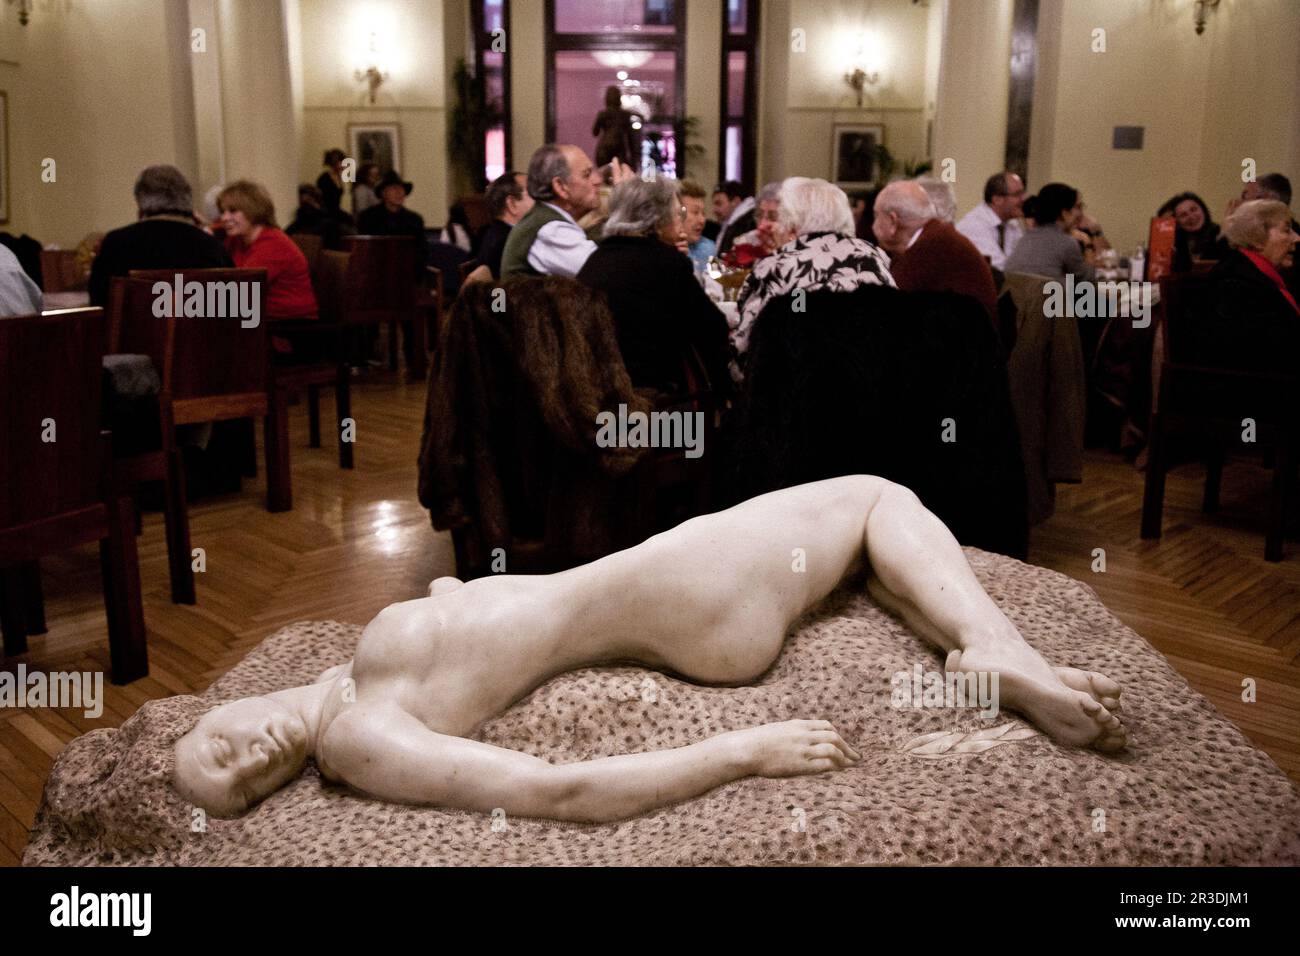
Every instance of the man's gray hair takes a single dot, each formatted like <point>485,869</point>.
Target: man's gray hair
<point>941,194</point>
<point>547,165</point>
<point>912,206</point>
<point>814,205</point>
<point>1248,225</point>
<point>163,189</point>
<point>638,207</point>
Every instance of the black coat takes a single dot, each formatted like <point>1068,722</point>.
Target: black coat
<point>862,382</point>
<point>1252,326</point>
<point>154,244</point>
<point>659,311</point>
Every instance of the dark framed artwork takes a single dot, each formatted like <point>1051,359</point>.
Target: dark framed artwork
<point>854,161</point>
<point>378,143</point>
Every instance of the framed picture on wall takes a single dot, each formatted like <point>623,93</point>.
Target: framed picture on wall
<point>4,157</point>
<point>378,143</point>
<point>853,162</point>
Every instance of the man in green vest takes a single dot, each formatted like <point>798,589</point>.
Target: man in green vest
<point>548,240</point>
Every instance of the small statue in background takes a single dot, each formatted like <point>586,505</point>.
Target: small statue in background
<point>616,137</point>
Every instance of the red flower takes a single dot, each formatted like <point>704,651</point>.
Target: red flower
<point>743,255</point>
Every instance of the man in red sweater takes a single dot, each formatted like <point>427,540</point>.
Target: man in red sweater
<point>927,254</point>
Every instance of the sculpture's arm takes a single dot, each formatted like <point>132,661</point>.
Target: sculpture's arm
<point>385,752</point>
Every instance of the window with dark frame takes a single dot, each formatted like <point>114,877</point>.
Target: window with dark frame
<point>488,17</point>
<point>638,46</point>
<point>739,92</point>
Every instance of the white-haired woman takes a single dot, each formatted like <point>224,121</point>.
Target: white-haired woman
<point>1257,317</point>
<point>660,311</point>
<point>820,252</point>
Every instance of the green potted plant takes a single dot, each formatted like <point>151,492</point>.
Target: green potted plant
<point>472,115</point>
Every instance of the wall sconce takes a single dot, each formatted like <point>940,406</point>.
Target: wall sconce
<point>863,68</point>
<point>24,10</point>
<point>374,71</point>
<point>1201,8</point>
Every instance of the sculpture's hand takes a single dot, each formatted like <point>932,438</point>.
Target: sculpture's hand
<point>796,747</point>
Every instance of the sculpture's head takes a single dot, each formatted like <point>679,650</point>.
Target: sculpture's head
<point>238,754</point>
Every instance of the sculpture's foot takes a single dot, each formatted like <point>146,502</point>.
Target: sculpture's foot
<point>1028,684</point>
<point>1097,686</point>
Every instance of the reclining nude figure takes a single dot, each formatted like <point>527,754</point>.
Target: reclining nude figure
<point>710,600</point>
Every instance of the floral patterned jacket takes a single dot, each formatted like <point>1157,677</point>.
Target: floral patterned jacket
<point>813,261</point>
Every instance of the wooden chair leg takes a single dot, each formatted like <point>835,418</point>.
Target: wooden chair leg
<point>177,519</point>
<point>392,346</point>
<point>34,603</point>
<point>248,441</point>
<point>121,572</point>
<point>313,415</point>
<point>13,613</point>
<point>279,487</point>
<point>1213,478</point>
<point>1153,496</point>
<point>1284,464</point>
<point>343,407</point>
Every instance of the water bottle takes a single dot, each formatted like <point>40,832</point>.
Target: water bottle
<point>1137,265</point>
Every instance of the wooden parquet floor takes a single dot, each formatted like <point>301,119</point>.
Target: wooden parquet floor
<point>358,541</point>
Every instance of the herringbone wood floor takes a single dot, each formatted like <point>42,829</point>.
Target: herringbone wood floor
<point>357,541</point>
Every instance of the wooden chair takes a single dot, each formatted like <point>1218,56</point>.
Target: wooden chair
<point>55,486</point>
<point>382,288</point>
<point>215,369</point>
<point>329,282</point>
<point>60,271</point>
<point>1210,402</point>
<point>311,246</point>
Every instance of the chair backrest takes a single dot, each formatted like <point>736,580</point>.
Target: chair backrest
<point>1186,299</point>
<point>51,370</point>
<point>330,283</point>
<point>448,258</point>
<point>477,212</point>
<point>204,355</point>
<point>311,247</point>
<point>60,272</point>
<point>382,279</point>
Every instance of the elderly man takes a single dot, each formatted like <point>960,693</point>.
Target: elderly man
<point>926,253</point>
<point>995,226</point>
<point>548,240</point>
<point>166,237</point>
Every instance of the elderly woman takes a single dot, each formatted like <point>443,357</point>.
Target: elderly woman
<point>1052,248</point>
<point>659,309</point>
<point>818,250</point>
<point>766,236</point>
<point>1256,321</point>
<point>1197,236</point>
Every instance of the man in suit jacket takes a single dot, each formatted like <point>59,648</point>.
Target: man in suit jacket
<point>927,254</point>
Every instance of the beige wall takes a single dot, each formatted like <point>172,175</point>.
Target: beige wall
<point>98,88</point>
<point>527,57</point>
<point>1229,94</point>
<point>801,103</point>
<point>335,36</point>
<point>970,123</point>
<point>703,93</point>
